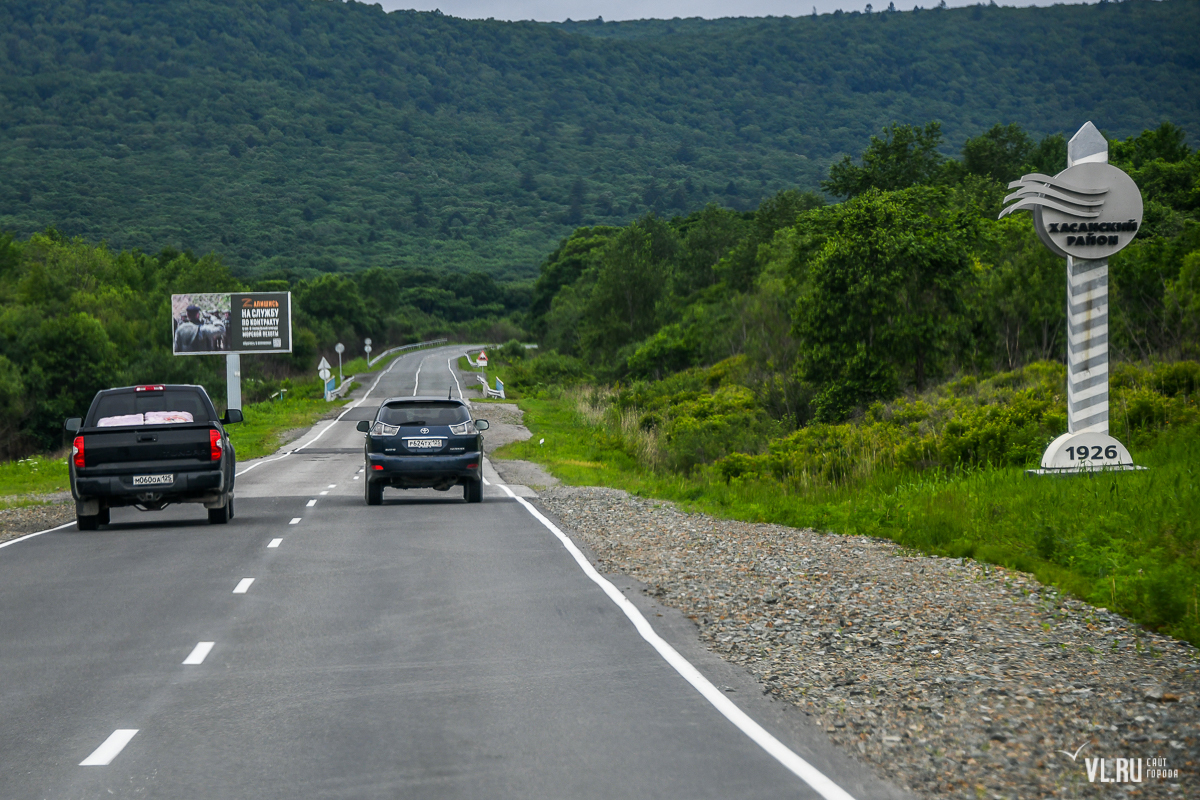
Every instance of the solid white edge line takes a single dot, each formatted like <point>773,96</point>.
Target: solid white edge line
<point>199,653</point>
<point>103,755</point>
<point>243,586</point>
<point>39,533</point>
<point>295,521</point>
<point>759,735</point>
<point>275,543</point>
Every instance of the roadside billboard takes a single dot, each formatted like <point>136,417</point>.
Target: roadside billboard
<point>224,323</point>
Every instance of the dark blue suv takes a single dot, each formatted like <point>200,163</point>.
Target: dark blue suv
<point>423,443</point>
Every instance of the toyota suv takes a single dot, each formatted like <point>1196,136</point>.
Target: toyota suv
<point>423,443</point>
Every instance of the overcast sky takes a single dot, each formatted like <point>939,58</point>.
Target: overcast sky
<point>558,10</point>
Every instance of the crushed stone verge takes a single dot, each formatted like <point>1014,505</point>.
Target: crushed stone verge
<point>952,678</point>
<point>55,509</point>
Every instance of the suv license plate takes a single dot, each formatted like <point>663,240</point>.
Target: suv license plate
<point>417,444</point>
<point>152,480</point>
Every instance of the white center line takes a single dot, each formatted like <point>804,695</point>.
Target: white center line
<point>417,379</point>
<point>113,745</point>
<point>450,366</point>
<point>243,585</point>
<point>199,653</point>
<point>312,503</point>
<point>275,543</point>
<point>294,521</point>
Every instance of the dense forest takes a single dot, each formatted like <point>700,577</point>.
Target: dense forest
<point>912,279</point>
<point>77,317</point>
<point>299,137</point>
<point>889,365</point>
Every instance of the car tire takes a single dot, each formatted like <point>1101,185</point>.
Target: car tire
<point>219,516</point>
<point>87,522</point>
<point>103,517</point>
<point>374,493</point>
<point>473,491</point>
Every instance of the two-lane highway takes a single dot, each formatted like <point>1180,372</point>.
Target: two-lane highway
<point>423,648</point>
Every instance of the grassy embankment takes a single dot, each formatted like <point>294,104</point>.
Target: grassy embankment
<point>1126,541</point>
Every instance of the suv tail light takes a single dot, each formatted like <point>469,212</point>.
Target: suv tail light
<point>77,451</point>
<point>215,446</point>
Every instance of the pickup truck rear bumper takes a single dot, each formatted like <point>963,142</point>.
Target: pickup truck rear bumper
<point>118,490</point>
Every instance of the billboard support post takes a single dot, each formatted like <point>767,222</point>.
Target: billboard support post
<point>233,380</point>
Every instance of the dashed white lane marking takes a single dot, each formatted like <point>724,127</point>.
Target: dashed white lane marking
<point>331,486</point>
<point>324,493</point>
<point>325,430</point>
<point>199,653</point>
<point>243,586</point>
<point>759,735</point>
<point>355,477</point>
<point>113,745</point>
<point>295,521</point>
<point>312,503</point>
<point>275,543</point>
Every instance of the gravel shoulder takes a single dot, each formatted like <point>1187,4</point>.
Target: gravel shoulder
<point>52,510</point>
<point>950,678</point>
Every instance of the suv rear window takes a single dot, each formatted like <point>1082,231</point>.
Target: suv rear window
<point>149,408</point>
<point>424,414</point>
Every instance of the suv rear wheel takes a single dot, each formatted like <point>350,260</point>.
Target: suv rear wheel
<point>374,493</point>
<point>473,491</point>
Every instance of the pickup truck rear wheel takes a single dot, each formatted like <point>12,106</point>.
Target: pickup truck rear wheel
<point>374,493</point>
<point>87,522</point>
<point>219,516</point>
<point>103,516</point>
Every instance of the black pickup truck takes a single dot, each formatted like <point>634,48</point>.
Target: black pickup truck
<point>150,446</point>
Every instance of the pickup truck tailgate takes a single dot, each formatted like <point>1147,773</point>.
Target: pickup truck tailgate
<point>174,446</point>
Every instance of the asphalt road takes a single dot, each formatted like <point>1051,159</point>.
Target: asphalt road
<point>423,649</point>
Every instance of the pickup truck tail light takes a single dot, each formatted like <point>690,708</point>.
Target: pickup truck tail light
<point>77,451</point>
<point>215,445</point>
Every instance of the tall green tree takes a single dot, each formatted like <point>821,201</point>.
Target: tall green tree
<point>904,156</point>
<point>880,301</point>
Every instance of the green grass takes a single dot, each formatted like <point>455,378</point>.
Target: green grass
<point>265,423</point>
<point>31,476</point>
<point>1126,541</point>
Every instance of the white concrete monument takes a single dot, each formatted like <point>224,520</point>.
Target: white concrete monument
<point>1085,214</point>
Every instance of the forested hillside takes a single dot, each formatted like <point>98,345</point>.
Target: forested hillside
<point>303,136</point>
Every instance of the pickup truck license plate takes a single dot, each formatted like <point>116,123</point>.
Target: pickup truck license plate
<point>152,480</point>
<point>418,444</point>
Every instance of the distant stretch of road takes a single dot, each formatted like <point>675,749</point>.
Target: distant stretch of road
<point>316,647</point>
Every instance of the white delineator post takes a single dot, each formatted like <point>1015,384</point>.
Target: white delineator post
<point>1087,315</point>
